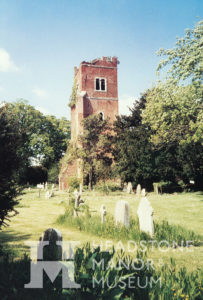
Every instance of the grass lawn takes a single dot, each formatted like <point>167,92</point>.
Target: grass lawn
<point>37,214</point>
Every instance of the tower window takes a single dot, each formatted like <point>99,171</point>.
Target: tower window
<point>101,116</point>
<point>97,84</point>
<point>100,84</point>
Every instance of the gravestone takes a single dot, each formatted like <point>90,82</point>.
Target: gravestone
<point>103,213</point>
<point>78,201</point>
<point>53,187</point>
<point>138,190</point>
<point>143,193</point>
<point>129,188</point>
<point>156,188</point>
<point>145,214</point>
<point>49,194</point>
<point>52,251</point>
<point>122,213</point>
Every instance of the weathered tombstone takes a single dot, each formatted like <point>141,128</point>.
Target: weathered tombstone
<point>143,193</point>
<point>124,187</point>
<point>49,194</point>
<point>145,214</point>
<point>122,213</point>
<point>156,188</point>
<point>39,191</point>
<point>103,213</point>
<point>46,186</point>
<point>53,187</point>
<point>138,190</point>
<point>51,251</point>
<point>129,188</point>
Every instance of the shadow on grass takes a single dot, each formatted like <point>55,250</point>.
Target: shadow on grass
<point>17,247</point>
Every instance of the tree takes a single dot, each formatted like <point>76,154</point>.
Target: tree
<point>186,58</point>
<point>135,160</point>
<point>174,114</point>
<point>45,137</point>
<point>174,108</point>
<point>10,143</point>
<point>96,147</point>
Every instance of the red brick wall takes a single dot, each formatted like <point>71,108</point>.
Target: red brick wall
<point>89,101</point>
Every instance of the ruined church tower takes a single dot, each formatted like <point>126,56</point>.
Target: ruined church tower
<point>96,91</point>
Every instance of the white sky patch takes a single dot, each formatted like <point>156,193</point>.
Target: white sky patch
<point>40,92</point>
<point>6,64</point>
<point>1,89</point>
<point>125,101</point>
<point>43,110</point>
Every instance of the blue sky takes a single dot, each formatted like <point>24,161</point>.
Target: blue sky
<point>42,40</point>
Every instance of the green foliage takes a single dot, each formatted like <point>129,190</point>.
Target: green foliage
<point>173,284</point>
<point>53,173</point>
<point>45,137</point>
<point>73,183</point>
<point>73,96</point>
<point>185,58</point>
<point>10,143</point>
<point>107,187</point>
<point>172,112</point>
<point>95,153</point>
<point>133,153</point>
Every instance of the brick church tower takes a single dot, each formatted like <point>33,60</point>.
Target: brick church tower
<point>96,93</point>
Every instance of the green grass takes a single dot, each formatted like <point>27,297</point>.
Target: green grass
<point>37,214</point>
<point>163,230</point>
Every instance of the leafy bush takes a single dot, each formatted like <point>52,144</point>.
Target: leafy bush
<point>107,187</point>
<point>53,173</point>
<point>73,183</point>
<point>172,284</point>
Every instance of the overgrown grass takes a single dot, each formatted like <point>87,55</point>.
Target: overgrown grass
<point>174,234</point>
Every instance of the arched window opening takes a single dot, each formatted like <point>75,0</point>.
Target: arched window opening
<point>101,116</point>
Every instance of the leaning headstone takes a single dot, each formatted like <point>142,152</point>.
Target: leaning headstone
<point>53,187</point>
<point>138,190</point>
<point>46,186</point>
<point>103,213</point>
<point>143,193</point>
<point>122,213</point>
<point>129,188</point>
<point>52,251</point>
<point>145,214</point>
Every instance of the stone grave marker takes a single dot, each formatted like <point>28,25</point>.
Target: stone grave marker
<point>103,213</point>
<point>51,252</point>
<point>129,188</point>
<point>138,190</point>
<point>122,213</point>
<point>145,214</point>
